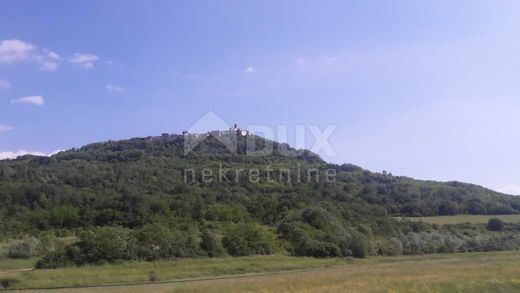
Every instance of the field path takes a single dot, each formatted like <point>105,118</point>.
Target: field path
<point>465,272</point>
<point>16,270</point>
<point>184,280</point>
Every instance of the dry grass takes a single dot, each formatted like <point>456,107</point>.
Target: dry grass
<point>139,272</point>
<point>470,272</point>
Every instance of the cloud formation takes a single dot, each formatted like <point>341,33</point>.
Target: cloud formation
<point>34,100</point>
<point>4,128</point>
<point>84,60</point>
<point>14,50</point>
<point>250,69</point>
<point>16,154</point>
<point>114,88</point>
<point>49,60</point>
<point>4,84</point>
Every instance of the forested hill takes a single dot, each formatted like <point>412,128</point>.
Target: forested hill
<point>134,182</point>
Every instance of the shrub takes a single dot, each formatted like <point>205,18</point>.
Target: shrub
<point>360,245</point>
<point>24,248</point>
<point>495,224</point>
<point>211,244</point>
<point>160,242</point>
<point>248,239</point>
<point>392,246</point>
<point>152,276</point>
<point>65,257</point>
<point>154,242</point>
<point>321,249</point>
<point>107,244</point>
<point>6,282</point>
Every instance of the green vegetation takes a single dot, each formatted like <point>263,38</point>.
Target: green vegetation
<point>20,249</point>
<point>460,219</point>
<point>144,199</point>
<point>476,273</point>
<point>495,224</point>
<point>132,272</point>
<point>8,264</point>
<point>462,272</point>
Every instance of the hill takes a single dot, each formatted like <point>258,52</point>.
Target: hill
<point>311,206</point>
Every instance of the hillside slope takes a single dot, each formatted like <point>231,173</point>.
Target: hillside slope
<point>130,182</point>
<point>151,200</point>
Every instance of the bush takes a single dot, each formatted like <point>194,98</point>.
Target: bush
<point>248,239</point>
<point>65,257</point>
<point>155,242</point>
<point>323,235</point>
<point>321,249</point>
<point>392,246</point>
<point>211,244</point>
<point>6,282</point>
<point>495,224</point>
<point>24,248</point>
<point>360,245</point>
<point>104,244</point>
<point>152,276</point>
<point>160,242</point>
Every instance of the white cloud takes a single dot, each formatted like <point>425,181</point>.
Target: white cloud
<point>84,60</point>
<point>325,62</point>
<point>16,154</point>
<point>53,55</point>
<point>49,66</point>
<point>48,60</point>
<point>34,100</point>
<point>114,88</point>
<point>18,51</point>
<point>250,69</point>
<point>4,128</point>
<point>15,51</point>
<point>4,84</point>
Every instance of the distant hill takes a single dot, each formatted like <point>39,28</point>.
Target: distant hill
<point>133,182</point>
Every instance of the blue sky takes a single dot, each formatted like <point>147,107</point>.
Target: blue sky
<point>427,89</point>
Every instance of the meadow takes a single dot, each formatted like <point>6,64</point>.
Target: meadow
<point>16,264</point>
<point>139,272</point>
<point>462,272</point>
<point>458,219</point>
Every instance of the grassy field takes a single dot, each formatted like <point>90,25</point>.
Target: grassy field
<point>473,219</point>
<point>16,264</point>
<point>463,272</point>
<point>138,272</point>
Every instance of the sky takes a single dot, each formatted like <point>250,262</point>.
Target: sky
<point>426,89</point>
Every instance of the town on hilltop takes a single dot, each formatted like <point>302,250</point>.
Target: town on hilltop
<point>235,130</point>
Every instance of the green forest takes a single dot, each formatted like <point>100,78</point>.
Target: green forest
<point>145,199</point>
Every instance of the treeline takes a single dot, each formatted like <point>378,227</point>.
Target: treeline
<point>311,232</point>
<point>155,241</point>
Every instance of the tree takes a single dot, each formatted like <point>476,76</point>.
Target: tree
<point>107,244</point>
